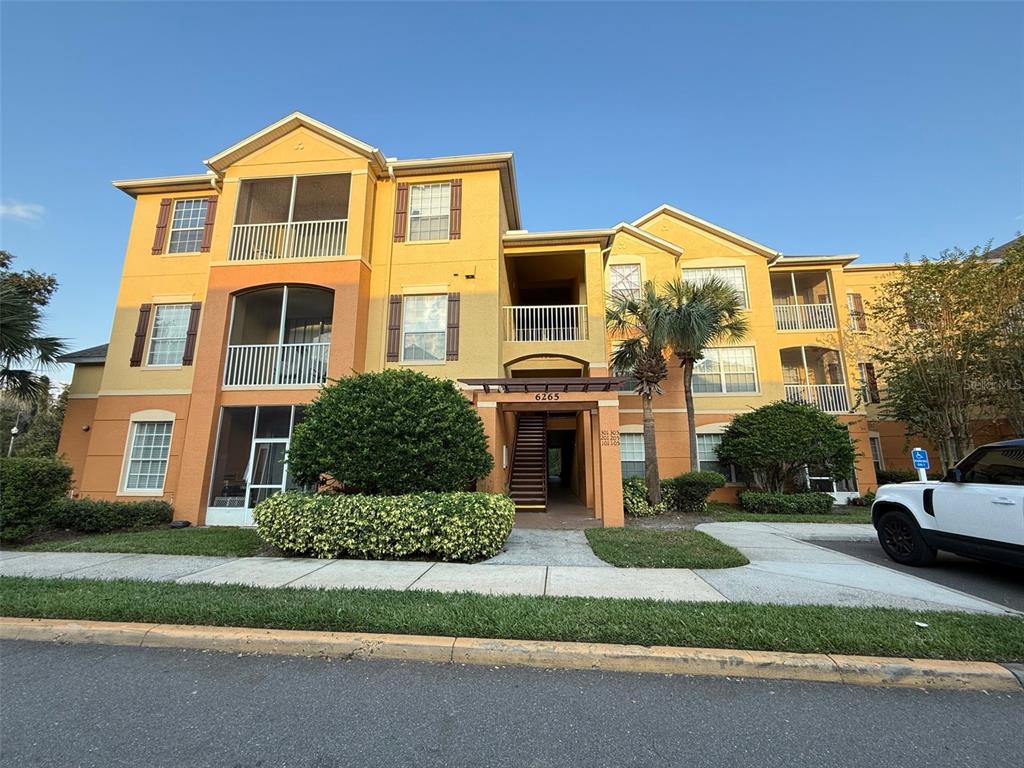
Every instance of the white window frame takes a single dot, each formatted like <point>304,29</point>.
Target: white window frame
<point>721,374</point>
<point>446,196</point>
<point>444,328</point>
<point>877,458</point>
<point>730,473</point>
<point>702,274</point>
<point>634,442</point>
<point>145,417</point>
<point>633,293</point>
<point>171,229</point>
<point>153,337</point>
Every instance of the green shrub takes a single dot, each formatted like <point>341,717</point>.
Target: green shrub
<point>446,526</point>
<point>688,493</point>
<point>29,488</point>
<point>634,499</point>
<point>765,503</point>
<point>96,516</point>
<point>886,476</point>
<point>391,433</point>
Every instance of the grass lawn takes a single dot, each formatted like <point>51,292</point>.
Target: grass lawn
<point>869,631</point>
<point>228,542</point>
<point>728,513</point>
<point>637,548</point>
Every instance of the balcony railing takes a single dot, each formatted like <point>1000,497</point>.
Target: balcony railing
<point>567,322</point>
<point>288,240</point>
<point>831,398</point>
<point>262,365</point>
<point>800,317</point>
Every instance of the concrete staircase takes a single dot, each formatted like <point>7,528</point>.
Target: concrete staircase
<point>528,485</point>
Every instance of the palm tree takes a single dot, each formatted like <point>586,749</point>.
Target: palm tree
<point>640,324</point>
<point>23,349</point>
<point>700,315</point>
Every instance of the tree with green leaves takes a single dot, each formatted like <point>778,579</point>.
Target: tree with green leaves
<point>38,421</point>
<point>699,316</point>
<point>639,325</point>
<point>24,349</point>
<point>954,345</point>
<point>776,443</point>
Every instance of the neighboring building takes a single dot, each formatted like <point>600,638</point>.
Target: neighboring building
<point>303,254</point>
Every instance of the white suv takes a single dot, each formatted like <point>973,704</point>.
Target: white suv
<point>977,510</point>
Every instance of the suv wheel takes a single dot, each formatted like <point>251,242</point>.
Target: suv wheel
<point>901,539</point>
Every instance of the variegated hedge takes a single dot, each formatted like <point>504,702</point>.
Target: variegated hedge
<point>459,526</point>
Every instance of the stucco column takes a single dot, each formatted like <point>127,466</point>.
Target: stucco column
<point>583,424</point>
<point>595,463</point>
<point>611,466</point>
<point>488,412</point>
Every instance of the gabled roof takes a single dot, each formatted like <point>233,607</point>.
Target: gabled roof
<point>260,139</point>
<point>648,237</point>
<point>707,226</point>
<point>97,354</point>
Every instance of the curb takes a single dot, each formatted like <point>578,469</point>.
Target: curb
<point>705,662</point>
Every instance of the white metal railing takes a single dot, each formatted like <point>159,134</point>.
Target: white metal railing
<point>566,322</point>
<point>258,365</point>
<point>796,317</point>
<point>288,240</point>
<point>831,398</point>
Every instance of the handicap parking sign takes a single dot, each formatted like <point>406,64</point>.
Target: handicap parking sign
<point>920,457</point>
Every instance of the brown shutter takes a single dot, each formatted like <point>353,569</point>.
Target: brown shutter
<point>211,216</point>
<point>455,212</point>
<point>872,383</point>
<point>161,226</point>
<point>394,327</point>
<point>140,335</point>
<point>189,353</point>
<point>401,211</point>
<point>858,312</point>
<point>452,347</point>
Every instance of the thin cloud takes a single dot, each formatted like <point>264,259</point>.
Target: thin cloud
<point>22,211</point>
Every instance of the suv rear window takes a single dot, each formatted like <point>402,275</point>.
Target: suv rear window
<point>996,466</point>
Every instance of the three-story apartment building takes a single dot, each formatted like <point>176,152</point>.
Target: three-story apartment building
<point>303,255</point>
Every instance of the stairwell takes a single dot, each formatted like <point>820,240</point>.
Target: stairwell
<point>528,484</point>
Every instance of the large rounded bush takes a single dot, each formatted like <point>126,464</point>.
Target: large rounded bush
<point>29,492</point>
<point>388,433</point>
<point>444,526</point>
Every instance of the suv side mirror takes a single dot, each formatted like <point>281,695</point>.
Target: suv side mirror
<point>954,476</point>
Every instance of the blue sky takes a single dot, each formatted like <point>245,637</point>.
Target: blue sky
<point>880,129</point>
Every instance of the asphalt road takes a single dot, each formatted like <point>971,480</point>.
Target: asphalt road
<point>998,583</point>
<point>109,706</point>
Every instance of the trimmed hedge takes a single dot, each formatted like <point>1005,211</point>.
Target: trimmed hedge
<point>688,493</point>
<point>765,503</point>
<point>887,476</point>
<point>96,516</point>
<point>634,499</point>
<point>29,489</point>
<point>465,526</point>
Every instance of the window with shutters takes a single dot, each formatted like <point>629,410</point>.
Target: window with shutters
<point>876,453</point>
<point>869,383</point>
<point>424,328</point>
<point>855,305</point>
<point>187,226</point>
<point>734,277</point>
<point>725,369</point>
<point>170,331</point>
<point>429,211</point>
<point>625,280</point>
<point>148,448</point>
<point>631,449</point>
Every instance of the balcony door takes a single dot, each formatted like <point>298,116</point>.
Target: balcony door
<point>251,462</point>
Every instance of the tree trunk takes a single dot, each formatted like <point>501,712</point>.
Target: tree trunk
<point>691,417</point>
<point>651,475</point>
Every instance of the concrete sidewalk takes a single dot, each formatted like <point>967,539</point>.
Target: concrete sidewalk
<point>785,568</point>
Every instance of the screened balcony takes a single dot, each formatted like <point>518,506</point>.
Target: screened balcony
<point>803,301</point>
<point>815,375</point>
<point>280,336</point>
<point>291,217</point>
